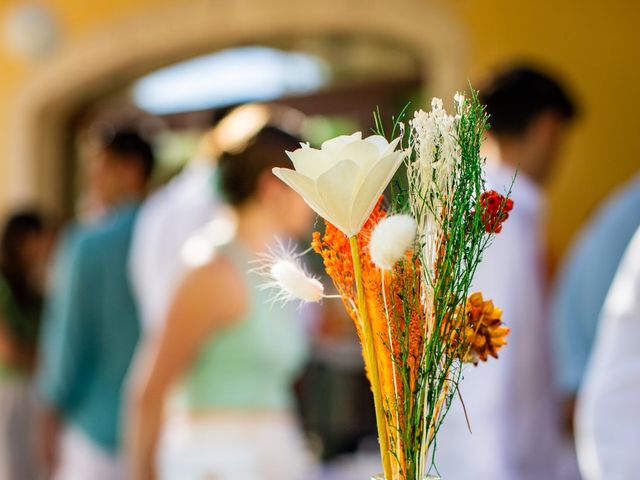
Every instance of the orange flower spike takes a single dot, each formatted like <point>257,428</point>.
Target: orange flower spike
<point>335,250</point>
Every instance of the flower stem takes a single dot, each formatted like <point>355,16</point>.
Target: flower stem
<point>370,356</point>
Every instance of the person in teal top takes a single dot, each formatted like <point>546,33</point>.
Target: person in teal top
<point>91,324</point>
<point>227,354</point>
<point>74,375</point>
<point>24,247</point>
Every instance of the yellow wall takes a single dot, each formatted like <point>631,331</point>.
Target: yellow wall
<point>596,48</point>
<point>593,47</point>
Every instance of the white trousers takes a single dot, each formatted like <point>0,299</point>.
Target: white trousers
<point>82,459</point>
<point>17,449</point>
<point>233,447</point>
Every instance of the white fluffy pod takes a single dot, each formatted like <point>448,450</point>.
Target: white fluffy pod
<point>295,282</point>
<point>283,273</point>
<point>391,239</point>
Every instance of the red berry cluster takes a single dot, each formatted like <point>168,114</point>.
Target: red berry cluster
<point>494,210</point>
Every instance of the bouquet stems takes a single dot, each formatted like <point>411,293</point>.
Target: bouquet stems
<point>370,358</point>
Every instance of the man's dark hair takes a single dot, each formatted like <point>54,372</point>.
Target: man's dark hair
<point>130,146</point>
<point>516,96</point>
<point>239,172</point>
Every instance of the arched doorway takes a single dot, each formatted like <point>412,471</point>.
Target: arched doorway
<point>126,50</point>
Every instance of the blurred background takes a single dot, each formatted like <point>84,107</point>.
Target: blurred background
<point>175,67</point>
<point>62,63</point>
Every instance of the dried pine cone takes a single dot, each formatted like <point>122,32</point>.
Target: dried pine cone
<point>484,332</point>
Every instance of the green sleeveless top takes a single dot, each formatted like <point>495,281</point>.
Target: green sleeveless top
<point>253,363</point>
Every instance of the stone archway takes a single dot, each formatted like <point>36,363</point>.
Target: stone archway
<point>166,35</point>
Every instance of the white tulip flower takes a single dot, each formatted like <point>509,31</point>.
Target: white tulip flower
<point>343,180</point>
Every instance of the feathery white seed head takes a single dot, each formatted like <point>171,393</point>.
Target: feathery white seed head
<point>294,281</point>
<point>391,239</point>
<point>283,273</point>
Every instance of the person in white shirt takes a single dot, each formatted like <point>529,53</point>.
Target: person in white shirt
<point>166,221</point>
<point>173,220</point>
<point>607,421</point>
<point>509,403</point>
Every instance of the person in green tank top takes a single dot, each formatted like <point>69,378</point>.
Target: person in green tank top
<point>230,357</point>
<point>25,243</point>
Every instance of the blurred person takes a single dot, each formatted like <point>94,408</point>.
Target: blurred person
<point>232,356</point>
<point>90,208</point>
<point>166,220</point>
<point>510,403</point>
<point>178,211</point>
<point>607,420</point>
<point>91,323</point>
<point>24,248</point>
<point>582,286</point>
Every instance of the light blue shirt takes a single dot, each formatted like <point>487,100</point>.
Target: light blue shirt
<point>91,328</point>
<point>583,283</point>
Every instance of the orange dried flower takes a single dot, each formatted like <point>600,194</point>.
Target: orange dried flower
<point>399,325</point>
<point>484,333</point>
<point>335,250</point>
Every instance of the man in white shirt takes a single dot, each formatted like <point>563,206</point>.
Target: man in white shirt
<point>607,420</point>
<point>509,402</point>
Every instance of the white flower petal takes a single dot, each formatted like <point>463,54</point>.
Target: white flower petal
<point>384,148</point>
<point>335,144</point>
<point>391,146</point>
<point>380,143</point>
<point>304,186</point>
<point>372,187</point>
<point>337,188</point>
<point>363,154</point>
<point>310,161</point>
